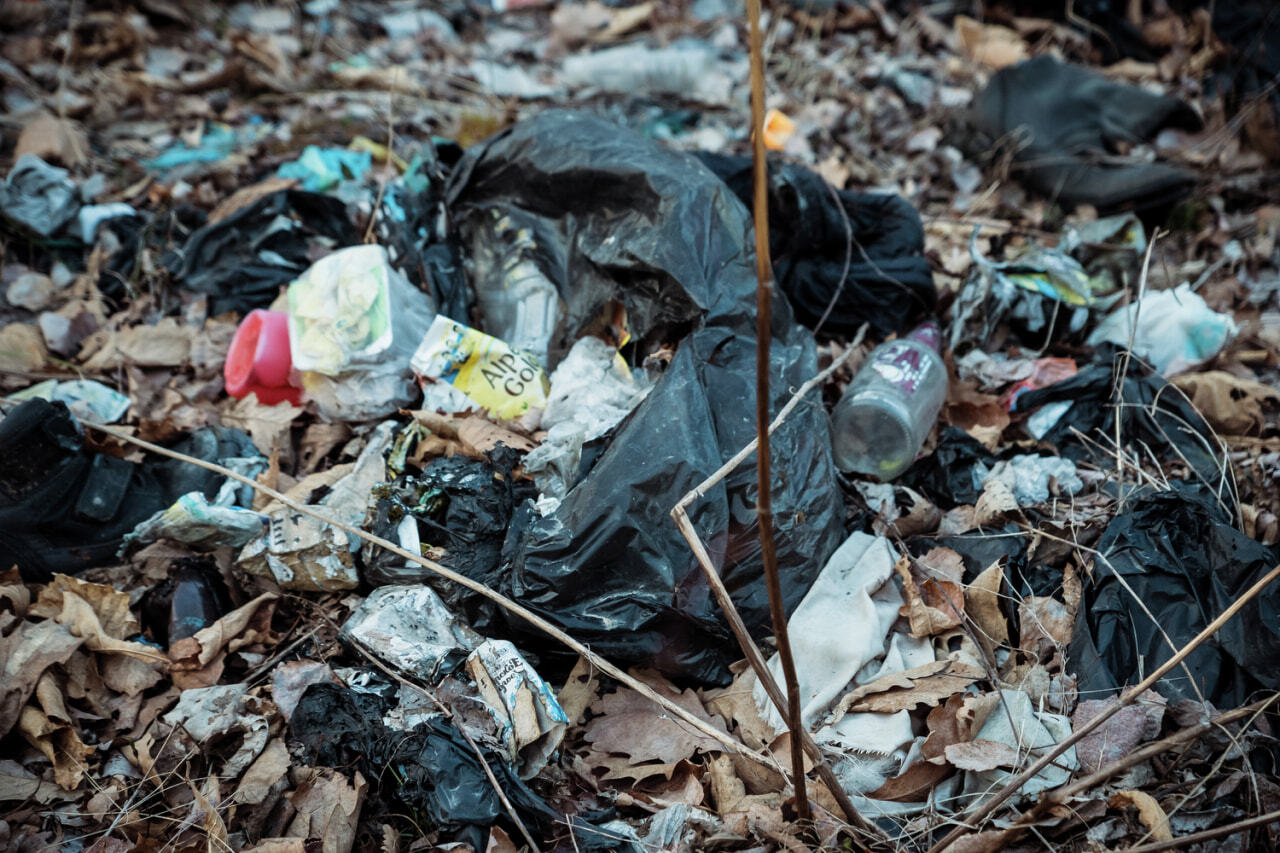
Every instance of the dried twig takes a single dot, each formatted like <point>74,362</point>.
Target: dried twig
<point>749,649</point>
<point>974,819</point>
<point>1063,795</point>
<point>1207,835</point>
<point>764,334</point>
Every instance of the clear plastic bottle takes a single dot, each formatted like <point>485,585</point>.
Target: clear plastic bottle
<point>888,409</point>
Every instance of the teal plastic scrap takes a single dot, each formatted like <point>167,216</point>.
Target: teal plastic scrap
<point>322,169</point>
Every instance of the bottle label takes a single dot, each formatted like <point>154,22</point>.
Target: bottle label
<point>901,365</point>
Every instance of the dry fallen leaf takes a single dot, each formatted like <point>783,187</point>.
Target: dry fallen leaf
<point>328,808</point>
<point>17,784</point>
<point>166,344</point>
<point>995,502</point>
<point>54,140</point>
<point>989,44</point>
<point>927,684</point>
<point>579,690</point>
<point>987,841</point>
<point>1153,817</point>
<point>1234,406</point>
<point>979,755</point>
<point>913,784</point>
<point>1044,619</point>
<point>21,349</point>
<point>267,769</point>
<point>629,725</point>
<point>935,602</point>
<point>47,726</point>
<point>63,601</point>
<point>268,426</point>
<point>278,845</point>
<point>1118,736</point>
<point>981,415</point>
<point>25,654</point>
<point>736,703</point>
<point>982,604</point>
<point>246,196</point>
<point>197,661</point>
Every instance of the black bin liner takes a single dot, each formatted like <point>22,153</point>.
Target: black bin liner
<point>618,217</point>
<point>1185,562</point>
<point>865,251</point>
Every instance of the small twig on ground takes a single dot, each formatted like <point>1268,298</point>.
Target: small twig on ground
<point>764,334</point>
<point>1207,835</point>
<point>1128,698</point>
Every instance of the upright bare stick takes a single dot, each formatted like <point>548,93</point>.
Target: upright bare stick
<point>749,649</point>
<point>764,504</point>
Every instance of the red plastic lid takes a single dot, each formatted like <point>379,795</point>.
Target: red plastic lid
<point>259,360</point>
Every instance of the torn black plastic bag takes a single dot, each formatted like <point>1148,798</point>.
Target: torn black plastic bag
<point>864,250</point>
<point>945,476</point>
<point>430,770</point>
<point>462,505</point>
<point>1066,125</point>
<point>618,217</point>
<point>1185,563</point>
<point>1155,417</point>
<point>242,261</point>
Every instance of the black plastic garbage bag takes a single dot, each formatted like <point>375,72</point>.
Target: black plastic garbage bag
<point>64,508</point>
<point>430,770</point>
<point>620,218</point>
<point>1186,564</point>
<point>866,247</point>
<point>1154,416</point>
<point>462,505</point>
<point>1066,124</point>
<point>415,228</point>
<point>242,261</point>
<point>945,476</point>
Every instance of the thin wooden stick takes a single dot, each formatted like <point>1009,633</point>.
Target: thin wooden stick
<point>764,323</point>
<point>449,574</point>
<point>1206,835</point>
<point>749,648</point>
<point>1062,795</point>
<point>1154,748</point>
<point>975,818</point>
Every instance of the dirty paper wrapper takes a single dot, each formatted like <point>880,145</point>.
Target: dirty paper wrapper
<point>529,717</point>
<point>462,368</point>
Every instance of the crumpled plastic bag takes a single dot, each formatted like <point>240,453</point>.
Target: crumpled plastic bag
<point>412,629</point>
<point>39,196</point>
<point>437,773</point>
<point>1175,331</point>
<point>354,324</point>
<point>243,260</point>
<point>592,390</point>
<point>1152,412</point>
<point>1042,294</point>
<point>865,251</point>
<point>1185,561</point>
<point>619,218</point>
<point>1068,121</point>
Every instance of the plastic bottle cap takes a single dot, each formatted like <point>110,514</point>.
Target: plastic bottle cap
<point>259,360</point>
